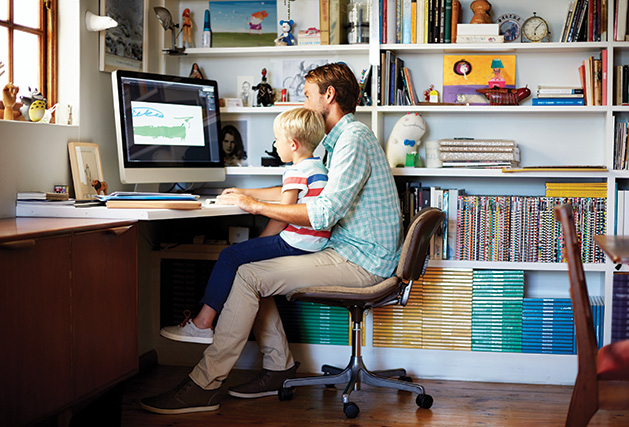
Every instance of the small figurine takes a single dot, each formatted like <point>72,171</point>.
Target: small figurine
<point>186,26</point>
<point>434,96</point>
<point>286,38</point>
<point>481,9</point>
<point>265,91</point>
<point>255,21</point>
<point>195,72</point>
<point>100,186</point>
<point>34,106</point>
<point>427,93</point>
<point>273,159</point>
<point>405,139</point>
<point>9,97</point>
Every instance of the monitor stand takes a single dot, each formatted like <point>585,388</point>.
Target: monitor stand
<point>147,188</point>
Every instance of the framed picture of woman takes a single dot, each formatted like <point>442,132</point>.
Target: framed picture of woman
<point>234,142</point>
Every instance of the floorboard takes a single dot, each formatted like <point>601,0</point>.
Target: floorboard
<point>457,403</point>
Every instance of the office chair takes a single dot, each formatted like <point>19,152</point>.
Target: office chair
<point>394,290</point>
<point>603,375</point>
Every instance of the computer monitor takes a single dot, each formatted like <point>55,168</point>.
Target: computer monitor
<point>168,128</point>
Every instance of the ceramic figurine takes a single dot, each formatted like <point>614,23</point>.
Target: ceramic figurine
<point>265,91</point>
<point>481,9</point>
<point>405,139</point>
<point>34,106</point>
<point>286,38</point>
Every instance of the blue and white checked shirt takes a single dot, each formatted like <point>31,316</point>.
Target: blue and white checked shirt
<point>360,199</point>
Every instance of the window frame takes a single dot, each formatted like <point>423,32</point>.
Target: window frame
<point>47,33</point>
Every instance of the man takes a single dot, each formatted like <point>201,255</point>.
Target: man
<point>360,202</point>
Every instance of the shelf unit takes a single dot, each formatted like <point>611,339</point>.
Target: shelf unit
<point>567,135</point>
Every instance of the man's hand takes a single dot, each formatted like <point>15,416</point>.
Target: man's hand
<point>246,203</point>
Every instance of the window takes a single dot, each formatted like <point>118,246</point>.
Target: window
<point>28,46</point>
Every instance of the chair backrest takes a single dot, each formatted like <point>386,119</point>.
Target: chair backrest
<point>416,247</point>
<point>584,324</point>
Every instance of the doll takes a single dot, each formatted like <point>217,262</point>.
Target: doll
<point>265,91</point>
<point>186,24</point>
<point>286,38</point>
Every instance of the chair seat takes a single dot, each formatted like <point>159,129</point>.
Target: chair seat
<point>613,361</point>
<point>347,296</point>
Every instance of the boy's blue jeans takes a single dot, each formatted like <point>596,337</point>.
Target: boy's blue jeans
<point>224,272</point>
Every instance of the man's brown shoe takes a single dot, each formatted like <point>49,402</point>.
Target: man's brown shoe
<point>267,383</point>
<point>185,398</point>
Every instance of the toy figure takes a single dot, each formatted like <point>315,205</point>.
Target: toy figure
<point>405,139</point>
<point>34,106</point>
<point>286,38</point>
<point>9,96</point>
<point>265,91</point>
<point>100,186</point>
<point>481,9</point>
<point>186,26</point>
<point>195,72</point>
<point>255,21</point>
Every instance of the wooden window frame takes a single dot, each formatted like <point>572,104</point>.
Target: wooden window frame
<point>48,48</point>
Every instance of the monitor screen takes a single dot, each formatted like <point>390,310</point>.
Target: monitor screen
<point>167,128</point>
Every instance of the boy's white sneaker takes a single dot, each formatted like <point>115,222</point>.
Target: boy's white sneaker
<point>187,331</point>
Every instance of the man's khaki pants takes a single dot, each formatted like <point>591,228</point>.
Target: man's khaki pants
<point>248,306</point>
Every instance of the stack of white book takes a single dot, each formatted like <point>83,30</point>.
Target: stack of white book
<point>479,33</point>
<point>479,153</point>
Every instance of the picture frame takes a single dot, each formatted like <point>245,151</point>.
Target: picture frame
<point>243,23</point>
<point>235,147</point>
<point>124,47</point>
<point>244,86</point>
<point>86,166</point>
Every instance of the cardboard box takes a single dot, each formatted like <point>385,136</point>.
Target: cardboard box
<point>309,37</point>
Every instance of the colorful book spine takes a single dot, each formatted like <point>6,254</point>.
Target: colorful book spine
<point>558,101</point>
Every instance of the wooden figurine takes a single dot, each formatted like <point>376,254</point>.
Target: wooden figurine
<point>505,96</point>
<point>481,9</point>
<point>9,97</point>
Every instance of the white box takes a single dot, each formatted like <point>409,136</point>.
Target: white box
<point>477,29</point>
<point>238,234</point>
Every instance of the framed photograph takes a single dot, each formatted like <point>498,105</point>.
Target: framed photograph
<point>245,92</point>
<point>123,47</point>
<point>243,23</point>
<point>234,135</point>
<point>86,168</point>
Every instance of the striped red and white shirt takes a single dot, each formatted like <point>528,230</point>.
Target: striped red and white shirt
<point>309,177</point>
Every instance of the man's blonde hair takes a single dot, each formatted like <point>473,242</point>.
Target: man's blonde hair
<point>305,126</point>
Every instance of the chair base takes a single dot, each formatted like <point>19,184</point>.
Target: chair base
<point>352,376</point>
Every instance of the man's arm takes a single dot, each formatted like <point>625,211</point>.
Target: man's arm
<point>293,214</point>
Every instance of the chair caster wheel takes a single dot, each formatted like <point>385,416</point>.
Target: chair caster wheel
<point>424,401</point>
<point>405,378</point>
<point>351,410</point>
<point>286,394</point>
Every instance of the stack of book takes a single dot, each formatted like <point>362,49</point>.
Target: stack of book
<point>311,323</point>
<point>593,75</point>
<point>576,189</point>
<point>597,305</point>
<point>418,21</point>
<point>395,86</point>
<point>479,33</point>
<point>479,153</point>
<point>547,326</point>
<point>586,21</point>
<point>559,95</point>
<point>620,307</point>
<point>136,200</point>
<point>497,310</point>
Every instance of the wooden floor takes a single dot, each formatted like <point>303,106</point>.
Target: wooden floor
<point>456,404</point>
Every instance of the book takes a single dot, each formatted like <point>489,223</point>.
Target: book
<point>41,195</point>
<point>337,16</point>
<point>559,90</point>
<point>620,24</point>
<point>420,27</point>
<point>478,30</point>
<point>324,21</point>
<point>558,101</point>
<point>407,21</point>
<point>567,21</point>
<point>154,204</point>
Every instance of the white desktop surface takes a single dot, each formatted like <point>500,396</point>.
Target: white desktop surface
<point>69,211</point>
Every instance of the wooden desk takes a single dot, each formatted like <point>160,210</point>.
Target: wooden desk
<point>616,247</point>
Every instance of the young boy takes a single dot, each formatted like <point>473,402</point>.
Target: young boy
<point>297,134</point>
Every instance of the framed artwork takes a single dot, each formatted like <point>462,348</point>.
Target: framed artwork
<point>243,23</point>
<point>123,47</point>
<point>245,92</point>
<point>234,135</point>
<point>292,76</point>
<point>86,168</point>
<point>463,74</point>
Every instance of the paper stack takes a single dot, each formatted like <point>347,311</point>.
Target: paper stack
<point>479,153</point>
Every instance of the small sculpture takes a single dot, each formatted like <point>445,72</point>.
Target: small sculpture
<point>505,96</point>
<point>186,26</point>
<point>34,106</point>
<point>273,159</point>
<point>195,72</point>
<point>405,139</point>
<point>481,9</point>
<point>9,97</point>
<point>265,91</point>
<point>100,186</point>
<point>286,38</point>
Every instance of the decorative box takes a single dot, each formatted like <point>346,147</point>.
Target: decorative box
<point>311,37</point>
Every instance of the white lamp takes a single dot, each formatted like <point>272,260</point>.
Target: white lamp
<point>98,23</point>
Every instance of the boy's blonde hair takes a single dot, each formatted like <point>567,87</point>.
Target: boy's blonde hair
<point>305,126</point>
